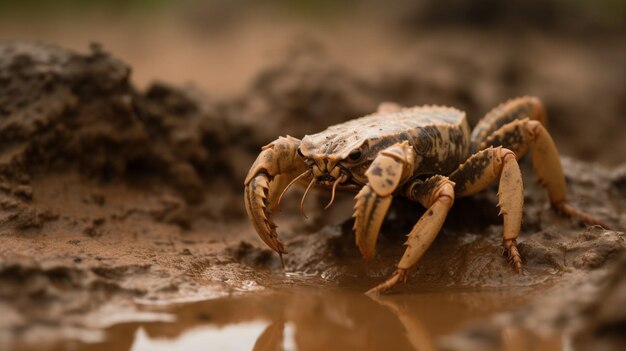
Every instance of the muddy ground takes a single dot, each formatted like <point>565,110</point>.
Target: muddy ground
<point>113,198</point>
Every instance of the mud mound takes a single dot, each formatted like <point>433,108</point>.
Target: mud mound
<point>62,110</point>
<point>304,92</point>
<point>589,308</point>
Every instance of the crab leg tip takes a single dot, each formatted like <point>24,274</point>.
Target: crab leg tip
<point>565,209</point>
<point>399,276</point>
<point>282,261</point>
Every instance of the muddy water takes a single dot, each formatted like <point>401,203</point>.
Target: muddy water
<point>304,318</point>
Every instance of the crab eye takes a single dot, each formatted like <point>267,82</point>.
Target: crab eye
<point>355,155</point>
<point>300,153</point>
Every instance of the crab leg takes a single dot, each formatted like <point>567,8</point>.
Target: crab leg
<point>277,159</point>
<point>388,170</point>
<point>436,194</point>
<point>522,135</point>
<point>482,169</point>
<point>505,113</point>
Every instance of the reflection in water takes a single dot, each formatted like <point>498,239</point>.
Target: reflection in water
<point>302,319</point>
<point>416,333</point>
<point>235,337</point>
<point>272,337</point>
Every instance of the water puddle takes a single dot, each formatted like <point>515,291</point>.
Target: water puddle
<point>317,319</point>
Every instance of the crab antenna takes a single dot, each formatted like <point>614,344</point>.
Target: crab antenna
<point>280,198</point>
<point>332,196</point>
<point>304,197</point>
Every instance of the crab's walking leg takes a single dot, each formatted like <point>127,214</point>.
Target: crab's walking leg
<point>482,169</point>
<point>525,134</point>
<point>279,158</point>
<point>520,124</point>
<point>503,114</point>
<point>388,170</point>
<point>437,195</point>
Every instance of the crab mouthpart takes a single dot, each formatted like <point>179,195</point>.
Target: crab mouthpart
<point>336,176</point>
<point>326,179</point>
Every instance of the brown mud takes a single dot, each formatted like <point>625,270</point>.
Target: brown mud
<point>122,226</point>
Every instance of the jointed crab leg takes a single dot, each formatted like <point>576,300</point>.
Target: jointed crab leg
<point>522,135</point>
<point>436,194</point>
<point>388,170</point>
<point>277,158</point>
<point>519,125</point>
<point>503,114</point>
<point>482,169</point>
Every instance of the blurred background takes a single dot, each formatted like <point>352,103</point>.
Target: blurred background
<point>469,54</point>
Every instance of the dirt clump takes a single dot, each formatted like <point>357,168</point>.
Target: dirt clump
<point>606,321</point>
<point>588,308</point>
<point>62,110</point>
<point>304,93</point>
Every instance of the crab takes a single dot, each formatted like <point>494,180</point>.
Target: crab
<point>425,153</point>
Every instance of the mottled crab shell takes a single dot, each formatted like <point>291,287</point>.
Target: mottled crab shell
<point>439,135</point>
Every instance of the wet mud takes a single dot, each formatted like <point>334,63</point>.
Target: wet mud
<point>122,224</point>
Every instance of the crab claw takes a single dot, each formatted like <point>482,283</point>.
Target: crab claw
<point>369,213</point>
<point>257,207</point>
<point>277,163</point>
<point>390,167</point>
